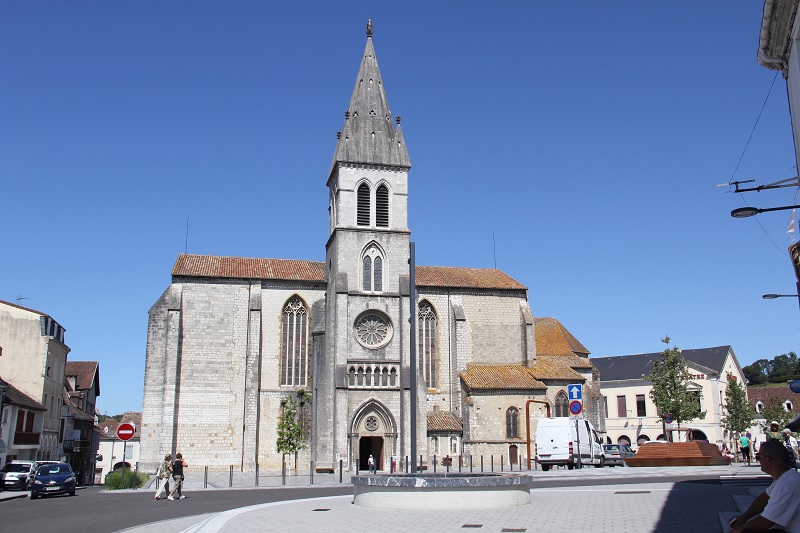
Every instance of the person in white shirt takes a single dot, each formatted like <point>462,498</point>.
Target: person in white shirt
<point>779,506</point>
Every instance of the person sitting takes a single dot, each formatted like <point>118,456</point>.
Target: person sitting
<point>779,506</point>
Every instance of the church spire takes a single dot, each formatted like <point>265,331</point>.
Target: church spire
<point>368,135</point>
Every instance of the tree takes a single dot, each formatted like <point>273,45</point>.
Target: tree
<point>774,409</point>
<point>292,433</point>
<point>758,372</point>
<point>670,376</point>
<point>738,416</point>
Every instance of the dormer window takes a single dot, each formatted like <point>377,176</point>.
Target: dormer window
<point>759,406</point>
<point>372,270</point>
<point>788,405</point>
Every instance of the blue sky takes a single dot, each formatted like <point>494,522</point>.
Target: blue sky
<point>585,140</point>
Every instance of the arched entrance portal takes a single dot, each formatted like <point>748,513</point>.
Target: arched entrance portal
<point>370,446</point>
<point>373,432</point>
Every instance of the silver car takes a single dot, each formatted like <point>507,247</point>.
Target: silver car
<point>617,453</point>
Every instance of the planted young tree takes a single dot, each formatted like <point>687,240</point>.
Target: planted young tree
<point>738,416</point>
<point>292,435</point>
<point>775,410</point>
<point>670,376</point>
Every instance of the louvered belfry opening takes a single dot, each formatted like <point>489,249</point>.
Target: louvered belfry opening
<point>362,218</point>
<point>382,207</point>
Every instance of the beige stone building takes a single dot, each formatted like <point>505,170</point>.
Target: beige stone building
<point>631,415</point>
<point>34,357</point>
<point>232,338</point>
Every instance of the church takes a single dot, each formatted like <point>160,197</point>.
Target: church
<point>231,339</point>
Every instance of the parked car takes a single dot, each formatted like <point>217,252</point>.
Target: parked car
<point>34,466</point>
<point>51,479</point>
<point>617,453</point>
<point>14,474</point>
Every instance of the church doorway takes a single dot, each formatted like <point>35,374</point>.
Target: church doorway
<point>370,446</point>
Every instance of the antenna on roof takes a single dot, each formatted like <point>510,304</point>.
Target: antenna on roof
<point>20,298</point>
<point>494,251</point>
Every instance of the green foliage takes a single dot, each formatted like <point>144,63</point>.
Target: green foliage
<point>779,369</point>
<point>103,418</point>
<point>114,480</point>
<point>670,376</point>
<point>738,416</point>
<point>290,430</point>
<point>774,410</point>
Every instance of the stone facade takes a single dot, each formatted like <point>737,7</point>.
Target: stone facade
<point>232,338</point>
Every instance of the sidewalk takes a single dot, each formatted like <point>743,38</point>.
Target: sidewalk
<point>619,503</point>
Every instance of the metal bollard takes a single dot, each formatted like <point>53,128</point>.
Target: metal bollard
<point>481,463</point>
<point>434,464</point>
<point>491,461</point>
<point>340,470</point>
<point>460,459</point>
<point>135,475</point>
<point>256,474</point>
<point>230,478</point>
<point>205,478</point>
<point>357,466</point>
<point>420,464</point>
<point>283,472</point>
<point>470,463</point>
<point>312,472</point>
<point>502,457</point>
<point>406,464</point>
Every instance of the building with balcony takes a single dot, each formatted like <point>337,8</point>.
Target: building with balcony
<point>79,432</point>
<point>21,420</point>
<point>34,357</point>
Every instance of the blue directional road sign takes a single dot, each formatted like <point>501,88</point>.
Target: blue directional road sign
<point>575,391</point>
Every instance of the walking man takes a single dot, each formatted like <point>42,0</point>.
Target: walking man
<point>371,463</point>
<point>177,476</point>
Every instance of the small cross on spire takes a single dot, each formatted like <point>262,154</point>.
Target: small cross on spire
<point>369,27</point>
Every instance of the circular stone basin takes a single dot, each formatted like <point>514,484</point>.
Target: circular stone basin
<point>442,491</point>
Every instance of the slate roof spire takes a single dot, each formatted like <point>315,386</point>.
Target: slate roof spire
<point>369,135</point>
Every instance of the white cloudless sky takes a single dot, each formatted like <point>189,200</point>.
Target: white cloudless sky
<point>575,145</point>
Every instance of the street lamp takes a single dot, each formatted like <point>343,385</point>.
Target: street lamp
<point>745,212</point>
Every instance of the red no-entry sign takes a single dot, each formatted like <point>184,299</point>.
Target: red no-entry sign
<point>125,431</point>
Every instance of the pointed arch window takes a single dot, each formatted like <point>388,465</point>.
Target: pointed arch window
<point>382,206</point>
<point>294,349</point>
<point>512,423</point>
<point>372,270</point>
<point>562,404</point>
<point>363,208</point>
<point>426,323</point>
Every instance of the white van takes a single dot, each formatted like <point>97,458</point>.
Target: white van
<point>562,440</point>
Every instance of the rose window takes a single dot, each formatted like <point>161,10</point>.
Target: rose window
<point>373,330</point>
<point>371,423</point>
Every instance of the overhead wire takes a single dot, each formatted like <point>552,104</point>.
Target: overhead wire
<point>761,112</point>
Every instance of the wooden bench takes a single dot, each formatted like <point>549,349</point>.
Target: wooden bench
<point>693,453</point>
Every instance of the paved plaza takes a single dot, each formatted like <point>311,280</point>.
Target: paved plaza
<point>620,505</point>
<point>618,499</point>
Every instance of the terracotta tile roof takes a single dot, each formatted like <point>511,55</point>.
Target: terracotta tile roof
<point>765,393</point>
<point>73,409</point>
<point>208,266</point>
<point>130,417</point>
<point>86,374</point>
<point>553,339</point>
<point>554,367</point>
<point>17,397</point>
<point>477,278</point>
<point>500,377</point>
<point>443,421</point>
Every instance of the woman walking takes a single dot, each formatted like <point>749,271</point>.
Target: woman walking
<point>163,477</point>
